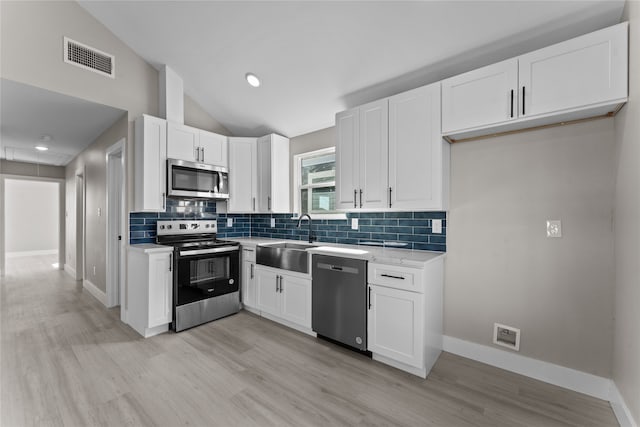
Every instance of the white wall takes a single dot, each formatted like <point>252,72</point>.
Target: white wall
<point>502,268</point>
<point>31,216</point>
<point>626,353</point>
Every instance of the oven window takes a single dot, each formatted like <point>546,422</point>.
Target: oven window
<point>208,269</point>
<point>193,179</point>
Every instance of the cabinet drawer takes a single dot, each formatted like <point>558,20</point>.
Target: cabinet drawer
<point>248,253</point>
<point>407,278</point>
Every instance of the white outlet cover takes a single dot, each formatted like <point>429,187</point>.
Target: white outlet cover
<point>273,222</point>
<point>354,223</point>
<point>229,222</point>
<point>436,226</point>
<point>554,228</point>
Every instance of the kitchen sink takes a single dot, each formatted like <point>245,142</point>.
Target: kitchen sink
<point>286,255</point>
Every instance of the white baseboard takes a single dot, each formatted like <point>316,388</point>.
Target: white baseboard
<point>93,290</point>
<point>71,271</point>
<point>21,254</point>
<point>561,376</point>
<point>620,408</point>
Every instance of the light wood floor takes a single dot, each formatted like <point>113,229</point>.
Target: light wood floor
<point>66,360</point>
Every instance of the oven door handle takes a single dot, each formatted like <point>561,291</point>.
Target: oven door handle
<point>210,251</point>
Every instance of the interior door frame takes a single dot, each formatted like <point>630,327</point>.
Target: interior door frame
<point>81,214</point>
<point>61,216</point>
<point>115,266</point>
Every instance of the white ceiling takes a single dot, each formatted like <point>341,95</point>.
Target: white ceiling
<point>318,58</point>
<point>28,113</point>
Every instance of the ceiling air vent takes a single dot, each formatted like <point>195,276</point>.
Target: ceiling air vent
<point>88,58</point>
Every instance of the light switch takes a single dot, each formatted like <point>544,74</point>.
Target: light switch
<point>229,222</point>
<point>436,226</point>
<point>554,228</point>
<point>99,211</point>
<point>273,222</point>
<point>354,223</point>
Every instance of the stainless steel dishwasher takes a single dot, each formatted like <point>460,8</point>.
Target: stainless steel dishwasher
<point>339,299</point>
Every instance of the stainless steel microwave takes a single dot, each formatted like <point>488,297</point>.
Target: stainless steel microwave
<point>196,180</point>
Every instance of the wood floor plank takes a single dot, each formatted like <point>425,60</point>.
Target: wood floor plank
<point>65,360</point>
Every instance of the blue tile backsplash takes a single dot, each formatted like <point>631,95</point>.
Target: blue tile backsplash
<point>407,230</point>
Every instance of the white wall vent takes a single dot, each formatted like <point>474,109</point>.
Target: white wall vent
<point>88,58</point>
<point>506,336</point>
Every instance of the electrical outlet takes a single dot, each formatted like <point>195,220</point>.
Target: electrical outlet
<point>229,222</point>
<point>99,211</point>
<point>554,228</point>
<point>354,223</point>
<point>273,222</point>
<point>436,226</point>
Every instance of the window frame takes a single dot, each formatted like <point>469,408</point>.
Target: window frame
<point>298,186</point>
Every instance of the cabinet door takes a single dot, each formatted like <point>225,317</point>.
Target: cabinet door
<point>267,296</point>
<point>150,164</point>
<point>248,284</point>
<point>296,300</point>
<point>183,142</point>
<point>160,289</point>
<point>347,158</point>
<point>242,175</point>
<point>264,174</point>
<point>395,325</point>
<point>214,149</point>
<point>480,97</point>
<point>374,154</point>
<point>415,149</point>
<point>587,70</point>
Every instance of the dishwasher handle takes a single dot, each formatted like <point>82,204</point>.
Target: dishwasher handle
<point>338,268</point>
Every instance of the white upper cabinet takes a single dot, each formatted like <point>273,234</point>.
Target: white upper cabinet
<point>196,145</point>
<point>579,72</point>
<point>273,174</point>
<point>373,154</point>
<point>580,78</point>
<point>243,181</point>
<point>418,156</point>
<point>390,154</point>
<point>214,148</point>
<point>362,156</point>
<point>347,158</point>
<point>480,97</point>
<point>150,159</point>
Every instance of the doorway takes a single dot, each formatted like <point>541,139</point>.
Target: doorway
<point>80,221</point>
<point>116,223</point>
<point>32,229</point>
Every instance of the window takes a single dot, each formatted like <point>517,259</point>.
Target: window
<point>315,182</point>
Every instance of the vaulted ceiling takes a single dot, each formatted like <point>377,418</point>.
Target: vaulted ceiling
<point>316,58</point>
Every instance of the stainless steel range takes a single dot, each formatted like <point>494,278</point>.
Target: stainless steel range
<point>205,272</point>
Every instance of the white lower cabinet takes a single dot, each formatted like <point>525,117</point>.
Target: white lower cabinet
<point>396,325</point>
<point>150,288</point>
<point>405,315</point>
<point>284,296</point>
<point>248,277</point>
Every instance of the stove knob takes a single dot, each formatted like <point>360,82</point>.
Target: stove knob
<point>169,227</point>
<point>206,226</point>
<point>162,227</point>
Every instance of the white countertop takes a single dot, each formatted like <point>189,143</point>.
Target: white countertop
<point>150,248</point>
<point>393,256</point>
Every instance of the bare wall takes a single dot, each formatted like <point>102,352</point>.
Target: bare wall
<point>626,350</point>
<point>502,268</point>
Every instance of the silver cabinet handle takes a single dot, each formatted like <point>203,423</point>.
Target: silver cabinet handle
<point>369,297</point>
<point>389,196</point>
<point>248,250</point>
<point>202,154</point>
<point>277,289</point>
<point>392,276</point>
<point>280,284</point>
<point>164,201</point>
<point>523,100</point>
<point>253,201</point>
<point>197,156</point>
<point>355,196</point>
<point>170,262</point>
<point>269,203</point>
<point>251,270</point>
<point>361,197</point>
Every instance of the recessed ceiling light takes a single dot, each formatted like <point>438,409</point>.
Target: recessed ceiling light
<point>252,79</point>
<point>41,148</point>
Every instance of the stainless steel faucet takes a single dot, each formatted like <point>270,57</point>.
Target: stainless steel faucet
<point>311,236</point>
